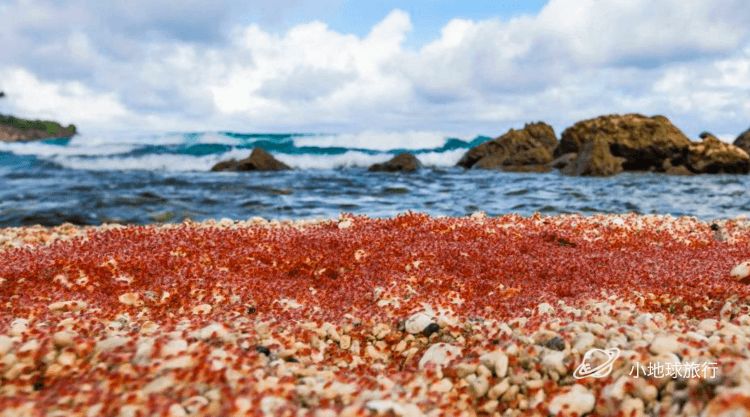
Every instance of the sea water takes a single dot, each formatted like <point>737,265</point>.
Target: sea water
<point>165,177</point>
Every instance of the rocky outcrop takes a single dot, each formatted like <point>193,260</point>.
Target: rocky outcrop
<point>743,141</point>
<point>13,129</point>
<point>644,143</point>
<point>527,149</point>
<point>712,156</point>
<point>259,160</point>
<point>594,159</point>
<point>404,162</point>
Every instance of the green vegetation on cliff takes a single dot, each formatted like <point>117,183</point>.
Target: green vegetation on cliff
<point>53,129</point>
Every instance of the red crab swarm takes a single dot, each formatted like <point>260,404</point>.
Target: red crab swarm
<point>91,322</point>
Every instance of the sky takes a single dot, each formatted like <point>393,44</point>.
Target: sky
<point>464,67</point>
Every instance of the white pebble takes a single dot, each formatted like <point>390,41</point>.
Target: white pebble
<point>202,309</point>
<point>18,327</point>
<point>583,342</point>
<point>417,322</point>
<point>70,305</point>
<point>64,338</point>
<point>439,354</point>
<point>665,344</point>
<point>497,361</point>
<point>554,361</point>
<point>174,347</point>
<point>741,271</point>
<point>578,401</point>
<point>130,299</point>
<point>110,343</point>
<point>389,406</point>
<point>6,343</point>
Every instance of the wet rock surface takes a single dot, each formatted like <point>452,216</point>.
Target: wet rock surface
<point>526,149</point>
<point>404,162</point>
<point>259,160</point>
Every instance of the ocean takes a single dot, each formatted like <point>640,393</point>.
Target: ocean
<point>147,178</point>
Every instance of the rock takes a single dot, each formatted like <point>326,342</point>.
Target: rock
<point>670,169</point>
<point>576,402</point>
<point>712,156</point>
<point>583,342</point>
<point>19,326</point>
<point>665,344</point>
<point>595,159</point>
<point>64,338</point>
<point>554,361</point>
<point>130,299</point>
<point>563,160</point>
<point>555,343</point>
<point>111,343</point>
<point>741,271</point>
<point>431,329</point>
<point>390,407</point>
<point>418,322</point>
<point>14,129</point>
<point>6,344</point>
<point>70,305</point>
<point>439,354</point>
<point>527,149</point>
<point>259,160</point>
<point>403,162</point>
<point>496,361</point>
<point>643,142</point>
<point>743,141</point>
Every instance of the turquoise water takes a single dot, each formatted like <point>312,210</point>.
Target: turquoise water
<point>165,177</point>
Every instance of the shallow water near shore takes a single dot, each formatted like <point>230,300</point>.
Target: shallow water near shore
<point>165,178</point>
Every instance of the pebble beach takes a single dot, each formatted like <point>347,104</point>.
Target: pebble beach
<point>405,316</point>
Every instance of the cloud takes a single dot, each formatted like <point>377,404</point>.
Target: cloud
<point>70,102</point>
<point>199,66</point>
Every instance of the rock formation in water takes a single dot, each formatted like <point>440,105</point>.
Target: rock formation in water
<point>259,160</point>
<point>644,143</point>
<point>527,149</point>
<point>14,129</point>
<point>594,159</point>
<point>404,162</point>
<point>712,156</point>
<point>743,141</point>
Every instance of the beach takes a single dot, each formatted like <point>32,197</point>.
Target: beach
<point>408,316</point>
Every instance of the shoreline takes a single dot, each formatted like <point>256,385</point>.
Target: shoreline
<point>485,315</point>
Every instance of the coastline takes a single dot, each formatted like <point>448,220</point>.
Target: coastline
<point>412,315</point>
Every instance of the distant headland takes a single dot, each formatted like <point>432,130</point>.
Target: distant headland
<point>15,129</point>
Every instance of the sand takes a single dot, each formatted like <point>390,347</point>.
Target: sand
<point>407,316</point>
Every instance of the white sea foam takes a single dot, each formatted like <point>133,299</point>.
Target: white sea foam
<point>377,141</point>
<point>112,151</point>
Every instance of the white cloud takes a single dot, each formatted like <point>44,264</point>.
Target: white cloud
<point>68,101</point>
<point>689,60</point>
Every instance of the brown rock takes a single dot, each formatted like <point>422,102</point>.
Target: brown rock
<point>595,159</point>
<point>259,160</point>
<point>563,160</point>
<point>526,149</point>
<point>644,142</point>
<point>712,156</point>
<point>670,169</point>
<point>404,162</point>
<point>743,141</point>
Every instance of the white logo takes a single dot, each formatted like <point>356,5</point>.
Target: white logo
<point>597,363</point>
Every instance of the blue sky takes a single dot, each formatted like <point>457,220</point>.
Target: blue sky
<point>428,16</point>
<point>470,67</point>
